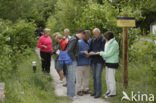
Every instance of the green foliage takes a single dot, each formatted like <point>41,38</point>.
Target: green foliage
<point>66,12</point>
<point>144,52</point>
<point>28,87</point>
<point>16,41</point>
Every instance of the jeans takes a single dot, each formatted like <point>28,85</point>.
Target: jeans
<point>71,77</point>
<point>97,72</point>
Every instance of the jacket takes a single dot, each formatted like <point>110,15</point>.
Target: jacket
<point>47,41</point>
<point>63,44</point>
<point>73,48</point>
<point>82,59</point>
<point>97,45</point>
<point>112,52</point>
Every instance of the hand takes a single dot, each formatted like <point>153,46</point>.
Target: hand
<point>92,53</point>
<point>58,52</point>
<point>85,52</point>
<point>45,47</point>
<point>98,53</point>
<point>87,56</point>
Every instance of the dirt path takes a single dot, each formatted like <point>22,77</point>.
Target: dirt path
<point>62,91</point>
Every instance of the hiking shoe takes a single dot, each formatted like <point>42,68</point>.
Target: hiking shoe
<point>65,85</point>
<point>87,92</point>
<point>107,93</point>
<point>80,93</point>
<point>93,94</point>
<point>97,96</point>
<point>109,96</point>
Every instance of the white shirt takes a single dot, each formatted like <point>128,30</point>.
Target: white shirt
<point>106,45</point>
<point>67,38</point>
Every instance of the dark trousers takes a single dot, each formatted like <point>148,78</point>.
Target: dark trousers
<point>46,59</point>
<point>65,69</point>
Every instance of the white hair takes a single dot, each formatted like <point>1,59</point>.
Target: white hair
<point>46,30</point>
<point>96,29</point>
<point>66,30</point>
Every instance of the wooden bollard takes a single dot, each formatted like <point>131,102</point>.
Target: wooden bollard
<point>2,92</point>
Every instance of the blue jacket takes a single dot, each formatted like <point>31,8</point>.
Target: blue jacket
<point>82,59</point>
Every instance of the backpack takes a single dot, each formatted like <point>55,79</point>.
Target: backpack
<point>64,58</point>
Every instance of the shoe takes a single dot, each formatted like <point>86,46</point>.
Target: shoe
<point>87,92</point>
<point>109,96</point>
<point>97,96</point>
<point>80,93</point>
<point>107,93</point>
<point>65,85</point>
<point>93,94</point>
<point>61,81</point>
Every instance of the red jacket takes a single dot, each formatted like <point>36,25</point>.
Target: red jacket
<point>45,41</point>
<point>63,44</point>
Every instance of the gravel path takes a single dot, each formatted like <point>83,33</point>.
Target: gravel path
<point>62,91</point>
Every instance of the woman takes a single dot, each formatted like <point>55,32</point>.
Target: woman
<point>45,45</point>
<point>110,54</point>
<point>62,42</point>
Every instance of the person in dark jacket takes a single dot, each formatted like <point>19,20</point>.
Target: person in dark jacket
<point>97,62</point>
<point>73,51</point>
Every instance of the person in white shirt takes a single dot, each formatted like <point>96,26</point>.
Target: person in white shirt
<point>66,33</point>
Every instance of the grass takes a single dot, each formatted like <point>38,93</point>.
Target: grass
<point>28,87</point>
<point>139,80</point>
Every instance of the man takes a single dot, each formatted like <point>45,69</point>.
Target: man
<point>39,32</point>
<point>73,51</point>
<point>97,62</point>
<point>66,33</point>
<point>83,69</point>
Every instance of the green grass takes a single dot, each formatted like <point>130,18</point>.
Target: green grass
<point>28,87</point>
<point>139,80</point>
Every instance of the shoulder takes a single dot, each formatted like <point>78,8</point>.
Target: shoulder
<point>80,41</point>
<point>115,43</point>
<point>41,38</point>
<point>103,39</point>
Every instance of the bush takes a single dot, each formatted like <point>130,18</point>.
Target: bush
<point>16,41</point>
<point>144,52</point>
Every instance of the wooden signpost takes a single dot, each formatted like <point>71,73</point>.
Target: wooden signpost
<point>125,22</point>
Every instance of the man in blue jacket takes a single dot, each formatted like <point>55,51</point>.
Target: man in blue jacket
<point>83,69</point>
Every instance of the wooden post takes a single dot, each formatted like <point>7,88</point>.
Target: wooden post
<point>125,22</point>
<point>125,56</point>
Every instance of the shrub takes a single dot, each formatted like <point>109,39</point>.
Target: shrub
<point>16,40</point>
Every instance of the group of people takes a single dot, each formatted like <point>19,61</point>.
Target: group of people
<point>85,53</point>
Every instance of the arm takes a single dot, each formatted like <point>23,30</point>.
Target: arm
<point>71,46</point>
<point>109,52</point>
<point>81,53</point>
<point>91,46</point>
<point>40,45</point>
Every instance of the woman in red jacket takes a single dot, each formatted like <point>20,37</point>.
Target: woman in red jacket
<point>45,45</point>
<point>62,42</point>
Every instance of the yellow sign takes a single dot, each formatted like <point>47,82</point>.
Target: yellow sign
<point>126,22</point>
